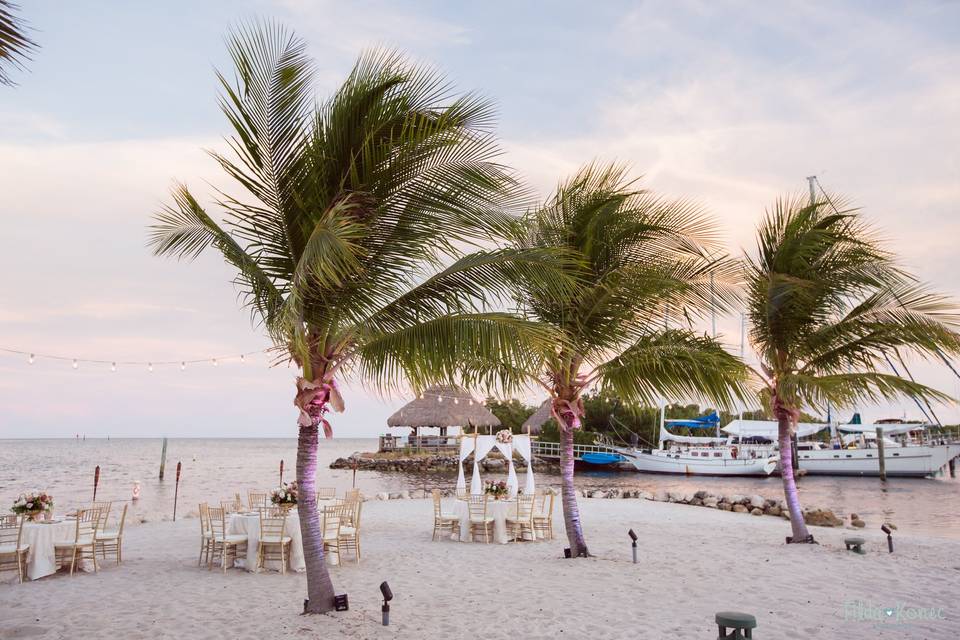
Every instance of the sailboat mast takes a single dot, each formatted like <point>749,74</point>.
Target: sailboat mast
<point>743,331</point>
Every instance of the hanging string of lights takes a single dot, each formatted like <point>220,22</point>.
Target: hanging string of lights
<point>33,356</point>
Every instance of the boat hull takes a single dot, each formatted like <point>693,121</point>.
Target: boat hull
<point>683,464</point>
<point>900,462</point>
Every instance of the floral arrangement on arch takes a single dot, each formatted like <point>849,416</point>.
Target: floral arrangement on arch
<point>496,489</point>
<point>32,504</point>
<point>286,495</point>
<point>504,436</point>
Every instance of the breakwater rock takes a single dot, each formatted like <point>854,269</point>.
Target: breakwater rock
<point>426,463</point>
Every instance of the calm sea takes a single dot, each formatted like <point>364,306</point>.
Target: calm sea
<point>215,469</point>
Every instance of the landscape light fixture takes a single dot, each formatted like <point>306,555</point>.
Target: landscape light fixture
<point>387,597</point>
<point>889,533</point>
<point>341,603</point>
<point>633,544</point>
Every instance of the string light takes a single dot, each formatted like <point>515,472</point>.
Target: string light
<point>33,357</point>
<point>456,401</point>
<point>440,399</point>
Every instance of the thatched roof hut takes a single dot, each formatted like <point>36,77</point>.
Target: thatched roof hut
<point>443,407</point>
<point>538,419</point>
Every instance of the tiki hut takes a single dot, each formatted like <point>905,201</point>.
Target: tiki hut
<point>442,408</point>
<point>538,419</point>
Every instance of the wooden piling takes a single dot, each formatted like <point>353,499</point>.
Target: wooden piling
<point>163,458</point>
<point>881,458</point>
<point>952,465</point>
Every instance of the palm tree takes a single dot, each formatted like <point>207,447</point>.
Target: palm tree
<point>635,257</point>
<point>347,242</point>
<point>827,302</point>
<point>15,45</point>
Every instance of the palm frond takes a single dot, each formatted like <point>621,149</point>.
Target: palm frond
<point>16,46</point>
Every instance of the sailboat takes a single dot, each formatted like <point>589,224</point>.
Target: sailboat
<point>700,455</point>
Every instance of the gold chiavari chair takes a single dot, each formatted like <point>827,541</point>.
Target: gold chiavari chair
<point>256,499</point>
<point>84,543</point>
<point>206,534</point>
<point>333,520</point>
<point>441,520</point>
<point>522,520</point>
<point>222,542</point>
<point>112,539</point>
<point>274,543</point>
<point>543,516</point>
<point>479,520</point>
<point>232,505</point>
<point>12,552</point>
<point>350,531</point>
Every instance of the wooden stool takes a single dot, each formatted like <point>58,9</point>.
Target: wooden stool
<point>855,545</point>
<point>740,625</point>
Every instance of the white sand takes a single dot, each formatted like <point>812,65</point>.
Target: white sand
<point>693,562</point>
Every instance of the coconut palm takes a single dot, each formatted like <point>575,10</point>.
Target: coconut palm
<point>347,237</point>
<point>826,303</point>
<point>15,45</point>
<point>636,257</point>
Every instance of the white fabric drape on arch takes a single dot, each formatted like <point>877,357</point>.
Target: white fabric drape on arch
<point>466,448</point>
<point>521,444</point>
<point>482,448</point>
<point>507,450</point>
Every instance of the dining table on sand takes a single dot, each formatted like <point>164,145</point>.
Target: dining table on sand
<point>42,536</point>
<point>248,524</point>
<point>499,509</point>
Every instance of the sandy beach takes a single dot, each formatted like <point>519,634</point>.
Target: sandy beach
<point>693,563</point>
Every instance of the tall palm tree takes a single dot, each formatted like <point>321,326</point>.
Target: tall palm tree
<point>15,44</point>
<point>636,257</point>
<point>347,239</point>
<point>827,302</point>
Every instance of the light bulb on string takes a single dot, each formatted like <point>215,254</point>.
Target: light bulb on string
<point>113,366</point>
<point>76,365</point>
<point>241,359</point>
<point>150,367</point>
<point>31,359</point>
<point>183,365</point>
<point>215,363</point>
<point>456,401</point>
<point>439,398</point>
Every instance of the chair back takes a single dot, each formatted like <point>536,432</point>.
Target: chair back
<point>437,507</point>
<point>326,493</point>
<point>462,492</point>
<point>333,516</point>
<point>477,506</point>
<point>87,521</point>
<point>218,521</point>
<point>11,530</point>
<point>256,499</point>
<point>272,526</point>
<point>204,518</point>
<point>353,495</point>
<point>544,504</point>
<point>104,513</point>
<point>274,511</point>
<point>123,518</point>
<point>525,508</point>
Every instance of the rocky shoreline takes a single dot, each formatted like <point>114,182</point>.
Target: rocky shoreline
<point>427,463</point>
<point>754,505</point>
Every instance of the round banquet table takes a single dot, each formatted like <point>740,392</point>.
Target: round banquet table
<point>499,509</point>
<point>41,558</point>
<point>249,525</point>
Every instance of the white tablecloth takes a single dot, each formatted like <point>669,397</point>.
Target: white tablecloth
<point>250,525</point>
<point>41,559</point>
<point>499,509</point>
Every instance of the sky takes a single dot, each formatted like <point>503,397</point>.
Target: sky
<point>729,104</point>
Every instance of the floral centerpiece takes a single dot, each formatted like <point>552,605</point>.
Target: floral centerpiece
<point>33,504</point>
<point>496,489</point>
<point>504,436</point>
<point>285,496</point>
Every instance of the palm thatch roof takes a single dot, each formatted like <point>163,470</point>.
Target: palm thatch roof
<point>443,407</point>
<point>538,419</point>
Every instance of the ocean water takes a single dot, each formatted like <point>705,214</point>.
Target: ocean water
<point>215,469</point>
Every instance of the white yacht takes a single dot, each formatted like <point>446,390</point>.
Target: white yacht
<point>853,449</point>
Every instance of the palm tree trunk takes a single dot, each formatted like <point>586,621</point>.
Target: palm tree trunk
<point>319,586</point>
<point>571,512</point>
<point>792,498</point>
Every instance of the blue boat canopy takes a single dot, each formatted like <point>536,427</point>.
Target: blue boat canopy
<point>709,421</point>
